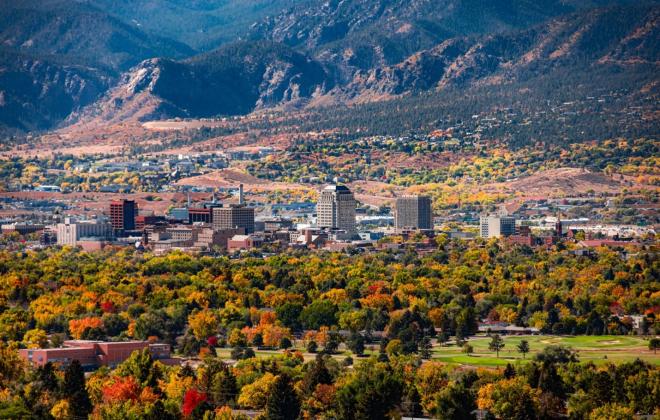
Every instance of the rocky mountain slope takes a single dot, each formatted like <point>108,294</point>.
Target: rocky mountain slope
<point>585,41</point>
<point>234,79</point>
<point>81,34</point>
<point>316,53</point>
<point>242,77</point>
<point>356,34</point>
<point>57,57</point>
<point>37,93</point>
<point>202,24</point>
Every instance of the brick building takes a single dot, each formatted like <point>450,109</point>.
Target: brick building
<point>122,214</point>
<point>94,354</point>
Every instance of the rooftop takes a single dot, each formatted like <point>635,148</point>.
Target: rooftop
<point>338,188</point>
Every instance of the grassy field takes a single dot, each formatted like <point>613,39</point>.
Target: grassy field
<point>598,349</point>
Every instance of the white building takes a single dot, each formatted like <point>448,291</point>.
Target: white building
<point>496,226</point>
<point>336,208</point>
<point>70,233</point>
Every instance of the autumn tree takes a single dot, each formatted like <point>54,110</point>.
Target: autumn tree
<point>203,324</point>
<point>510,399</point>
<point>141,366</point>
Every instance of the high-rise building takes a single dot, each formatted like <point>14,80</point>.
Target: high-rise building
<point>336,208</point>
<point>496,226</point>
<point>413,212</point>
<point>122,214</point>
<point>233,216</point>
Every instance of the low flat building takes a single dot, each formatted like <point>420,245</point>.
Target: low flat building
<point>94,354</point>
<point>244,242</point>
<point>71,233</point>
<point>22,228</point>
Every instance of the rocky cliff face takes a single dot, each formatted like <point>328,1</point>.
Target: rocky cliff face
<point>37,93</point>
<point>232,80</point>
<point>323,52</point>
<point>584,42</point>
<point>242,77</point>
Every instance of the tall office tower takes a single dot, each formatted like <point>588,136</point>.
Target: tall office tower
<point>413,212</point>
<point>233,216</point>
<point>496,226</point>
<point>336,208</point>
<point>122,214</point>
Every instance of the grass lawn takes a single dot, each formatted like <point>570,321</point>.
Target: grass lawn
<point>598,349</point>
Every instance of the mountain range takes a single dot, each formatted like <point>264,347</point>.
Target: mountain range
<point>64,64</point>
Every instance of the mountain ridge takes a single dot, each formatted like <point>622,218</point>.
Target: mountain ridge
<point>579,42</point>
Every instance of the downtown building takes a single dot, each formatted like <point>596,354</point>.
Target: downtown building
<point>123,214</point>
<point>233,216</point>
<point>83,233</point>
<point>413,212</point>
<point>336,208</point>
<point>496,226</point>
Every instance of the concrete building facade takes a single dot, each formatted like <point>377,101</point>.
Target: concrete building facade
<point>413,212</point>
<point>234,216</point>
<point>70,233</point>
<point>336,208</point>
<point>496,226</point>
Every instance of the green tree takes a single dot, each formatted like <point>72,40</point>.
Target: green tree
<point>468,349</point>
<point>496,344</point>
<point>317,373</point>
<point>289,315</point>
<point>371,391</point>
<point>285,343</point>
<point>74,390</point>
<point>425,348</point>
<point>318,314</point>
<point>523,347</point>
<point>141,366</point>
<point>455,402</point>
<point>283,402</point>
<point>654,344</point>
<point>355,343</point>
<point>223,387</point>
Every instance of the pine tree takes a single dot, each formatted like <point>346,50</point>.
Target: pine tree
<point>74,390</point>
<point>523,347</point>
<point>509,371</point>
<point>496,344</point>
<point>224,388</point>
<point>283,403</point>
<point>318,373</point>
<point>425,348</point>
<point>47,377</point>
